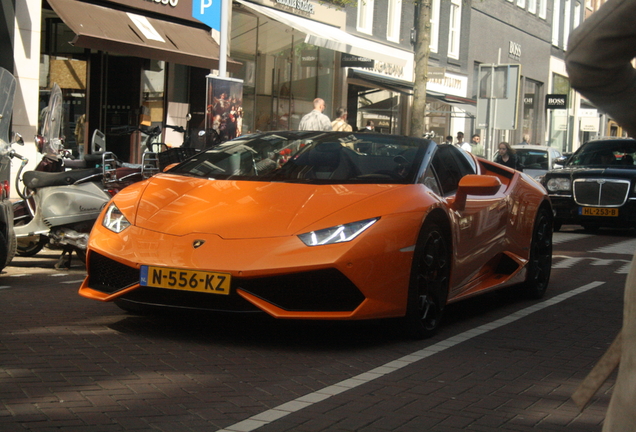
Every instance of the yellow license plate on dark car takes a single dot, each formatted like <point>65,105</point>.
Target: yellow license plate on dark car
<point>186,280</point>
<point>597,211</point>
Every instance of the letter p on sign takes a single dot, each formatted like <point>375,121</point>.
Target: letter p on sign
<point>204,5</point>
<point>208,12</point>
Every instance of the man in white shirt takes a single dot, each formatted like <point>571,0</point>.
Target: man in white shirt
<point>316,120</point>
<point>461,143</point>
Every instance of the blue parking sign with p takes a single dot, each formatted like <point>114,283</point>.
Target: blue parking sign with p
<point>208,12</point>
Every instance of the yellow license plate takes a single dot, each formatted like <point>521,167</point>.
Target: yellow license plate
<point>595,211</point>
<point>186,280</point>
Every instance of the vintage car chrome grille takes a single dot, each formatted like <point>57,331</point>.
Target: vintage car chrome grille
<point>601,192</point>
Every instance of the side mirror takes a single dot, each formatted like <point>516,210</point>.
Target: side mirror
<point>561,160</point>
<point>481,185</point>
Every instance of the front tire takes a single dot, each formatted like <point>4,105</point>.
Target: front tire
<point>540,262</point>
<point>428,288</point>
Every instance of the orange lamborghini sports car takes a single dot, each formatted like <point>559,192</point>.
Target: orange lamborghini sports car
<point>323,226</point>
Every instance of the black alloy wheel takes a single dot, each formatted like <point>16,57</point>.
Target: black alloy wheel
<point>540,262</point>
<point>428,289</point>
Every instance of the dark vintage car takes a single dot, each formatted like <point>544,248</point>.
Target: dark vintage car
<point>596,186</point>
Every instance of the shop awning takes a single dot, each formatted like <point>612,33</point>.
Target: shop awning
<point>106,29</point>
<point>333,38</point>
<point>358,76</point>
<point>385,107</point>
<point>386,82</point>
<point>468,106</point>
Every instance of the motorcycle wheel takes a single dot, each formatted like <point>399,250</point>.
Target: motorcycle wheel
<point>26,246</point>
<point>30,246</point>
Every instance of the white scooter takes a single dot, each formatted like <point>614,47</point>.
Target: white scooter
<point>58,209</point>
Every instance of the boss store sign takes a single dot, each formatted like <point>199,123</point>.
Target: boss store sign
<point>556,101</point>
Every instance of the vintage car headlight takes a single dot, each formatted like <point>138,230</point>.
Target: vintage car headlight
<point>115,220</point>
<point>337,234</point>
<point>559,184</point>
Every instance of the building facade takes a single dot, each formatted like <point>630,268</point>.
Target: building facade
<point>511,36</point>
<point>124,62</point>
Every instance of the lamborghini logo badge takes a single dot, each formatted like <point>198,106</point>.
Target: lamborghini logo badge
<point>197,243</point>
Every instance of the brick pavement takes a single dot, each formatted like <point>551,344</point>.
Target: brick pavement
<point>69,364</point>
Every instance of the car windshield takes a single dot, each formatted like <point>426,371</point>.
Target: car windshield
<point>619,153</point>
<point>533,159</point>
<point>327,158</point>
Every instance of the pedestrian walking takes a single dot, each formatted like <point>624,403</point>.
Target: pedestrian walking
<point>340,123</point>
<point>461,143</point>
<point>477,148</point>
<point>525,140</point>
<point>370,127</point>
<point>506,156</point>
<point>316,120</point>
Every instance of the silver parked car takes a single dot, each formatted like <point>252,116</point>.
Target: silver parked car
<point>536,160</point>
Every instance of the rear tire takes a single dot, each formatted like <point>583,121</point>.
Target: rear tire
<point>428,288</point>
<point>540,261</point>
<point>13,247</point>
<point>4,251</point>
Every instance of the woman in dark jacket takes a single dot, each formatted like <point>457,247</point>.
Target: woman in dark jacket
<point>506,156</point>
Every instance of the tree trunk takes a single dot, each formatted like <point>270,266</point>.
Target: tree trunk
<point>422,43</point>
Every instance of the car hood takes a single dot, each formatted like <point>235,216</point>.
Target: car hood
<point>180,205</point>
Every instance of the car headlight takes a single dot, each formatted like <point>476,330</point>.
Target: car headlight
<point>559,184</point>
<point>337,234</point>
<point>115,220</point>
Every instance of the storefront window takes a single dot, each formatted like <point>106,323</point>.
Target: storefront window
<point>244,44</point>
<point>65,65</point>
<point>153,77</point>
<point>286,76</point>
<point>559,118</point>
<point>438,119</point>
<point>531,97</point>
<point>382,107</point>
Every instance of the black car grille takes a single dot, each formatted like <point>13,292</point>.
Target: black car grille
<point>321,290</point>
<point>325,290</point>
<point>601,192</point>
<point>189,300</point>
<point>109,276</point>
